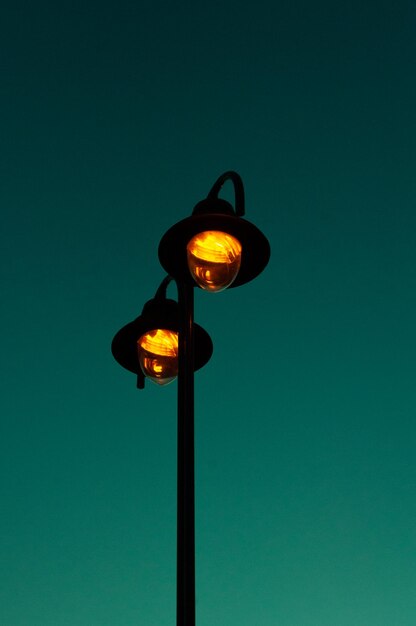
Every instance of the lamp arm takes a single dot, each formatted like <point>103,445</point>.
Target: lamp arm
<point>161,292</point>
<point>238,189</point>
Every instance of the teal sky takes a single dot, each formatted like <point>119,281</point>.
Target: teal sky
<point>116,118</point>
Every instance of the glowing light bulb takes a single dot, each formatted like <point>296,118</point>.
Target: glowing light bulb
<point>158,355</point>
<point>214,259</point>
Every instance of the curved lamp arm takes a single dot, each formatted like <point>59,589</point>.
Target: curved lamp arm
<point>161,292</point>
<point>238,189</point>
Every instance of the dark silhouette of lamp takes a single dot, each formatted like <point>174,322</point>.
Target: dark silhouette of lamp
<point>215,247</point>
<point>148,346</point>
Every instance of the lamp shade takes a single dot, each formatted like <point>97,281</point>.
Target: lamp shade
<point>214,214</point>
<point>158,314</point>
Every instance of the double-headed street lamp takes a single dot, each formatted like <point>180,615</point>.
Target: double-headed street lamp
<point>214,249</point>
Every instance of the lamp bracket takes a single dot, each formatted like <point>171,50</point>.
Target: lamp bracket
<point>238,190</point>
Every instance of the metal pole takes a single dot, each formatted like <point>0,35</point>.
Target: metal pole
<point>185,599</point>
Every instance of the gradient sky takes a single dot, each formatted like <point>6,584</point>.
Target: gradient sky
<point>116,119</point>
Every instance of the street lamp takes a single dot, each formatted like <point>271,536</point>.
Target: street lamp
<point>215,241</point>
<point>148,346</point>
<point>213,249</point>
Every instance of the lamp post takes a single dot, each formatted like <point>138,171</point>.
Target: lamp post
<point>213,249</point>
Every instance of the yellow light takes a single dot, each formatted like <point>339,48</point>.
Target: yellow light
<point>214,259</point>
<point>158,355</point>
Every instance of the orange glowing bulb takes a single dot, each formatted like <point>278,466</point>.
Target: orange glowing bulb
<point>214,259</point>
<point>158,355</point>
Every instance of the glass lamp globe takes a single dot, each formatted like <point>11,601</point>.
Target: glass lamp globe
<point>214,259</point>
<point>158,355</point>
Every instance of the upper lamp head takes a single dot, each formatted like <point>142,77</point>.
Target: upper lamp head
<point>215,248</point>
<point>148,346</point>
